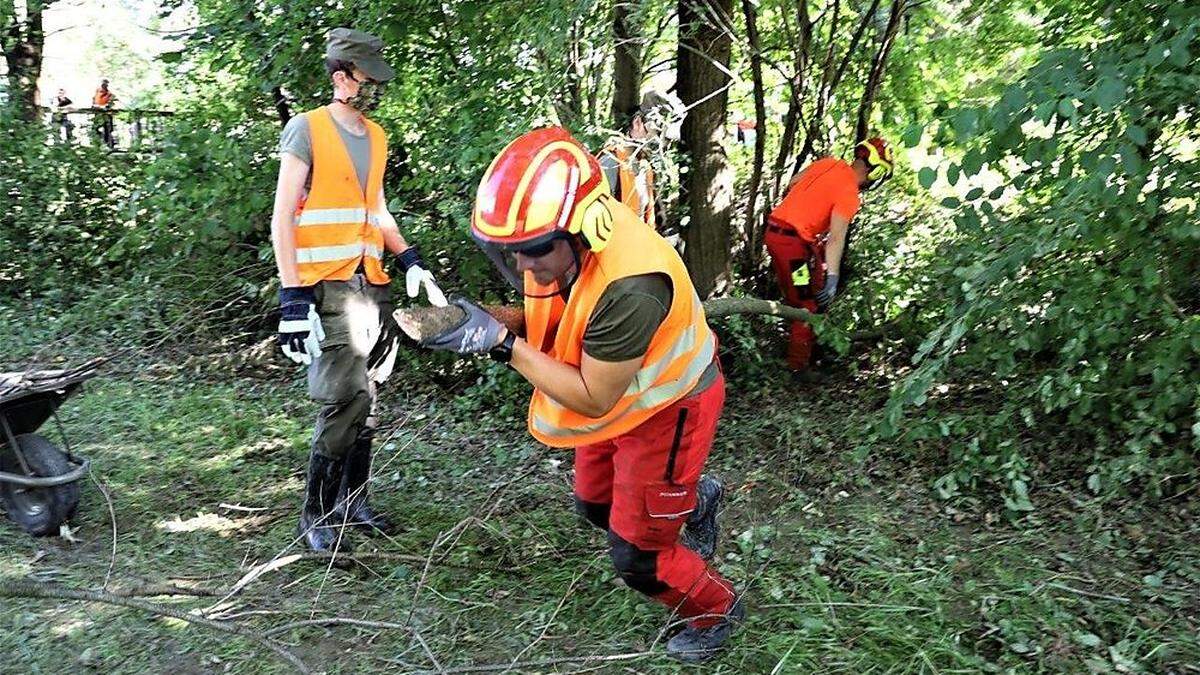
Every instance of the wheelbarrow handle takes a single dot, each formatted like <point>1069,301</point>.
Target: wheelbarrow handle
<point>47,481</point>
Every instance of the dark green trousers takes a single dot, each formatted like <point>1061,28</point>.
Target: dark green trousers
<point>353,314</point>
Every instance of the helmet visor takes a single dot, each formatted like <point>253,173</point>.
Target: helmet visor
<point>508,259</point>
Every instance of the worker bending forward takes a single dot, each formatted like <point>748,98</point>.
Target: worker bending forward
<point>624,368</point>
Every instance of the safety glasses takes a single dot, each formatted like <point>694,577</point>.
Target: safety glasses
<point>537,250</point>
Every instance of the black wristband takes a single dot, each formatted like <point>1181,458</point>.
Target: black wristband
<point>503,351</point>
<point>408,258</point>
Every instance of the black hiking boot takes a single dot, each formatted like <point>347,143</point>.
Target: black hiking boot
<point>319,522</point>
<point>352,499</point>
<point>697,645</point>
<point>700,532</point>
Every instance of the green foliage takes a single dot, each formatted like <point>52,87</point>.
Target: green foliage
<point>1071,286</point>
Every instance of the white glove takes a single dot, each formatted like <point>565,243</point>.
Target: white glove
<point>300,336</point>
<point>418,276</point>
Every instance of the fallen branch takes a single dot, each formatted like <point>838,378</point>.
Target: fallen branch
<point>526,665</point>
<point>332,621</point>
<point>24,588</point>
<point>716,308</point>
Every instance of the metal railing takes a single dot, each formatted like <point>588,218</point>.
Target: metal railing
<point>119,129</point>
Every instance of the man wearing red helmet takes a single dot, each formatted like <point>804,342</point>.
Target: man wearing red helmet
<point>623,365</point>
<point>806,233</point>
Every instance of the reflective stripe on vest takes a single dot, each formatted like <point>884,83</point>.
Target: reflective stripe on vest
<point>320,254</point>
<point>643,396</point>
<point>337,228</point>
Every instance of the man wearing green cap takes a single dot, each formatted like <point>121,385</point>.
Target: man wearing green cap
<point>329,229</point>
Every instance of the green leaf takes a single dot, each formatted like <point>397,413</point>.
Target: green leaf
<point>951,202</point>
<point>926,176</point>
<point>1109,93</point>
<point>1137,134</point>
<point>1066,109</point>
<point>912,135</point>
<point>952,174</point>
<point>974,193</point>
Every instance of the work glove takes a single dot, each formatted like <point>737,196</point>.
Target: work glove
<point>382,358</point>
<point>300,331</point>
<point>478,333</point>
<point>825,295</point>
<point>415,276</point>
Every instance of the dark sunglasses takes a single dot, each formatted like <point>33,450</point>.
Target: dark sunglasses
<point>537,250</point>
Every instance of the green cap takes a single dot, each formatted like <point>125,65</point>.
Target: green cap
<point>361,49</point>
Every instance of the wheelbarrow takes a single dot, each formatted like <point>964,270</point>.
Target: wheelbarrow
<point>38,481</point>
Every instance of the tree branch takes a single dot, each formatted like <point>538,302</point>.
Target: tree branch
<point>25,588</point>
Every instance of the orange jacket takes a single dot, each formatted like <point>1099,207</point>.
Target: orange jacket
<point>825,187</point>
<point>102,98</point>
<point>680,351</point>
<point>336,225</point>
<point>628,189</point>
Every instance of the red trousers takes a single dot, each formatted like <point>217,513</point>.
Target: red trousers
<point>640,487</point>
<point>790,256</point>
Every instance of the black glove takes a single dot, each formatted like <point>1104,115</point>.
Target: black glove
<point>300,331</point>
<point>825,295</point>
<point>478,333</point>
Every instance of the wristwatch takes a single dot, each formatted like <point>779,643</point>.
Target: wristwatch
<point>503,351</point>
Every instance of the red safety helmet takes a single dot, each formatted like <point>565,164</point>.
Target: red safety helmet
<point>543,186</point>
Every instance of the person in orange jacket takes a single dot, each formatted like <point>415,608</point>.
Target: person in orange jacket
<point>104,99</point>
<point>330,228</point>
<point>625,159</point>
<point>624,369</point>
<point>806,233</point>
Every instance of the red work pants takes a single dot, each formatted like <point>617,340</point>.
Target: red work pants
<point>789,254</point>
<point>640,487</point>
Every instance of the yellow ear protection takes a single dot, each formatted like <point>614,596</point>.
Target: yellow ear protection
<point>880,164</point>
<point>593,220</point>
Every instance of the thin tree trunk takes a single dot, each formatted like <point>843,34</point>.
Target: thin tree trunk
<point>281,105</point>
<point>627,60</point>
<point>878,67</point>
<point>831,78</point>
<point>703,86</point>
<point>752,228</point>
<point>23,42</point>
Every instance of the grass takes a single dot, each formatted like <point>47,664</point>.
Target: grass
<point>851,566</point>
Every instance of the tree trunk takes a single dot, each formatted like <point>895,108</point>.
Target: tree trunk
<point>627,61</point>
<point>878,66</point>
<point>752,228</point>
<point>23,40</point>
<point>281,105</point>
<point>703,85</point>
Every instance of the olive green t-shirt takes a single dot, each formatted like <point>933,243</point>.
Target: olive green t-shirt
<point>297,141</point>
<point>626,317</point>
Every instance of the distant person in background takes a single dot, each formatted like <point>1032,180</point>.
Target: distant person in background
<point>60,119</point>
<point>104,99</point>
<point>625,159</point>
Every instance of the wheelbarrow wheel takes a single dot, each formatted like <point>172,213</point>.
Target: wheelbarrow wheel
<point>39,511</point>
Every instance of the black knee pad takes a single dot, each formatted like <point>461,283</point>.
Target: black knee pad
<point>594,513</point>
<point>638,568</point>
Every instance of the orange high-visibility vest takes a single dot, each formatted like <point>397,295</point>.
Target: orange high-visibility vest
<point>102,98</point>
<point>680,351</point>
<point>628,188</point>
<point>336,226</point>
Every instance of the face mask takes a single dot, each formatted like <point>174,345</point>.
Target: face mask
<point>368,97</point>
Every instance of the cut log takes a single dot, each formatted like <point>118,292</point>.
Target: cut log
<point>425,323</point>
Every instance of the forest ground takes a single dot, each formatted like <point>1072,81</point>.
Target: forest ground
<point>849,561</point>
